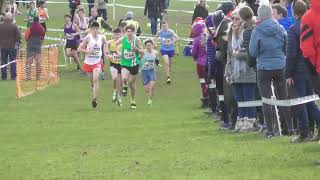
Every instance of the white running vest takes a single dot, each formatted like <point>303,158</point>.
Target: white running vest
<point>96,46</point>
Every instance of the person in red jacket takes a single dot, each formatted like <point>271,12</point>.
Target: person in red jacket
<point>310,41</point>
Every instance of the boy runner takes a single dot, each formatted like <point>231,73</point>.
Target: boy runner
<point>91,46</point>
<point>168,37</point>
<point>150,58</point>
<point>131,45</point>
<point>115,65</point>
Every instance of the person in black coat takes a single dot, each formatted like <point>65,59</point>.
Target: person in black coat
<point>200,10</point>
<point>154,10</point>
<point>91,5</point>
<point>298,76</point>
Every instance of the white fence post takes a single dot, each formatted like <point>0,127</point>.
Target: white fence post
<point>114,10</point>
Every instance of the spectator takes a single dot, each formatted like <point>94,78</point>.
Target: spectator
<point>154,10</point>
<point>199,54</point>
<point>280,14</point>
<point>9,36</point>
<point>102,22</point>
<point>268,45</point>
<point>227,101</point>
<point>298,76</point>
<point>239,74</point>
<point>130,22</point>
<point>253,5</point>
<point>90,5</point>
<point>310,41</point>
<point>73,4</point>
<point>201,10</point>
<point>211,65</point>
<point>34,42</point>
<point>102,8</point>
<point>43,14</point>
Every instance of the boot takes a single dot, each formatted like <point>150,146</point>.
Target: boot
<point>317,137</point>
<point>303,137</point>
<point>238,126</point>
<point>248,124</point>
<point>204,103</point>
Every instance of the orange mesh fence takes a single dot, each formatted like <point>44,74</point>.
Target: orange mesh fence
<point>36,71</point>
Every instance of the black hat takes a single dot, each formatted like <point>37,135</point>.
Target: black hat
<point>218,16</point>
<point>226,7</point>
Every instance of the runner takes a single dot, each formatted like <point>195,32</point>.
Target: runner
<point>31,13</point>
<point>72,32</point>
<point>82,21</point>
<point>115,65</point>
<point>43,14</point>
<point>150,57</point>
<point>131,46</point>
<point>168,38</point>
<point>91,46</point>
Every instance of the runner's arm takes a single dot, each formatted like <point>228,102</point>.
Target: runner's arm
<point>156,39</point>
<point>76,29</point>
<point>119,41</point>
<point>175,37</point>
<point>47,13</point>
<point>157,58</point>
<point>83,45</point>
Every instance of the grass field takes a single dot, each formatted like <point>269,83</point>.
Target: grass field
<point>55,134</point>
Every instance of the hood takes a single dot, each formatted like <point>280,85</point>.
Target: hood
<point>270,27</point>
<point>315,5</point>
<point>198,29</point>
<point>209,21</point>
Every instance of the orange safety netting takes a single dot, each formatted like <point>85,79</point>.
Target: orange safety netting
<point>37,71</point>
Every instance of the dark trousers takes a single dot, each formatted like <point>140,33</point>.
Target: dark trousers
<point>265,77</point>
<point>309,110</point>
<point>102,13</point>
<point>8,53</point>
<point>153,21</point>
<point>245,92</point>
<point>91,5</point>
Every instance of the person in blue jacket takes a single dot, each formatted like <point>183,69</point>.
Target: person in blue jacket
<point>280,13</point>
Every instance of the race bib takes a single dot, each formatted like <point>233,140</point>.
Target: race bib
<point>95,53</point>
<point>149,64</point>
<point>70,37</point>
<point>116,57</point>
<point>128,54</point>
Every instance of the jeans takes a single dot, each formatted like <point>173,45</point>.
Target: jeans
<point>153,21</point>
<point>245,92</point>
<point>91,5</point>
<point>8,53</point>
<point>265,77</point>
<point>309,110</point>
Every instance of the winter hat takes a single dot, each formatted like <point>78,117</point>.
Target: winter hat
<point>198,29</point>
<point>246,13</point>
<point>218,16</point>
<point>226,7</point>
<point>264,12</point>
<point>209,21</point>
<point>129,15</point>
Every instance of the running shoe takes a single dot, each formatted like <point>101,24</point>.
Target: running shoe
<point>94,103</point>
<point>114,96</point>
<point>102,76</point>
<point>150,102</point>
<point>119,101</point>
<point>168,81</point>
<point>78,68</point>
<point>133,105</point>
<point>125,91</point>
